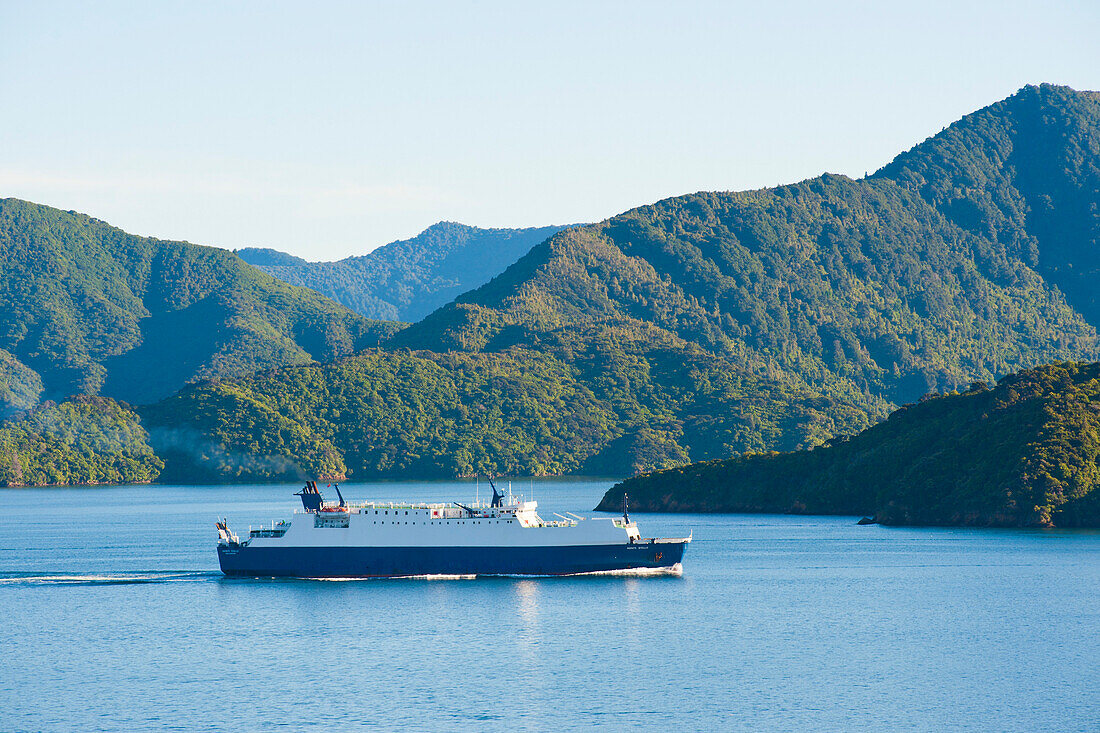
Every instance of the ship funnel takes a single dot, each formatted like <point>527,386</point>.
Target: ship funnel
<point>498,497</point>
<point>311,497</point>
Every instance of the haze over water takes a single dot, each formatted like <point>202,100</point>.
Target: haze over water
<point>116,618</point>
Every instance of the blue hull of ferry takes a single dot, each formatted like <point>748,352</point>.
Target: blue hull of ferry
<point>365,562</point>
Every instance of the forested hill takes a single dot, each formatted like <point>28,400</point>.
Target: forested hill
<point>704,326</point>
<point>85,440</point>
<point>849,287</point>
<point>401,414</point>
<point>1024,175</point>
<point>699,327</point>
<point>87,308</point>
<point>1022,454</point>
<point>407,279</point>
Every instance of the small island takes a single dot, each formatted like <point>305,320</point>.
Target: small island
<point>1021,454</point>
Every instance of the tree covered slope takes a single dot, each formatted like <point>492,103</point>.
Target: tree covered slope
<point>1022,454</point>
<point>86,440</point>
<point>87,308</point>
<point>1023,174</point>
<point>396,414</point>
<point>264,257</point>
<point>407,279</point>
<point>696,328</point>
<point>712,324</point>
<point>848,287</point>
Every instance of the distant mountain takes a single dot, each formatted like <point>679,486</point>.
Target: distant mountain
<point>1020,455</point>
<point>713,324</point>
<point>87,308</point>
<point>264,257</point>
<point>407,279</point>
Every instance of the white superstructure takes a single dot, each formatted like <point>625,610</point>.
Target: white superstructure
<point>395,524</point>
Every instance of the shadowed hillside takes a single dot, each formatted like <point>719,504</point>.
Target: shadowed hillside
<point>1023,454</point>
<point>1023,174</point>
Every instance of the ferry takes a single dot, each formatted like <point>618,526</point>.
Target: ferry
<point>504,537</point>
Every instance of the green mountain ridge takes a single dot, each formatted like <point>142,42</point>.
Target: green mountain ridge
<point>87,308</point>
<point>695,328</point>
<point>1023,173</point>
<point>407,279</point>
<point>1024,454</point>
<point>690,327</point>
<point>847,286</point>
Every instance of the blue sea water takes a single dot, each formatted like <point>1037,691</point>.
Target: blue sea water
<point>115,618</point>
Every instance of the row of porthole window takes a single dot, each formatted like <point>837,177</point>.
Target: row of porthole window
<point>386,512</point>
<point>456,522</point>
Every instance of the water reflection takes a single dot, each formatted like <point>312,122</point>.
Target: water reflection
<point>527,607</point>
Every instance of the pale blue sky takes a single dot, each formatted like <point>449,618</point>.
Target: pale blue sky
<point>326,129</point>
